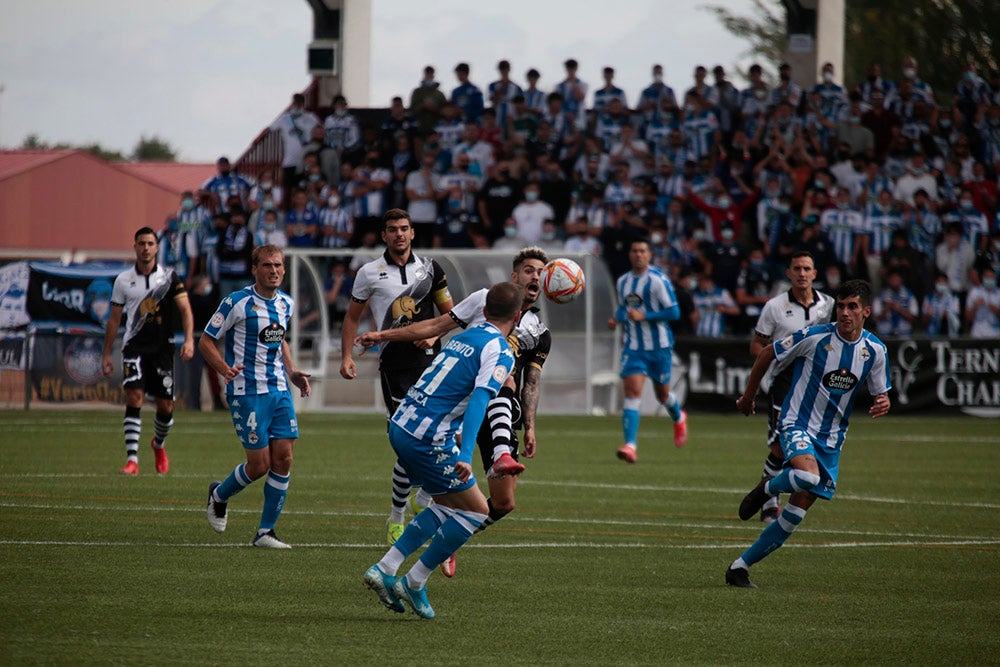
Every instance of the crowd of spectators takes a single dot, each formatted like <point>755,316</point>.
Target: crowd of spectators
<point>892,182</point>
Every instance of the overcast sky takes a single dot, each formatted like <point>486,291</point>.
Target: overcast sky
<point>207,75</point>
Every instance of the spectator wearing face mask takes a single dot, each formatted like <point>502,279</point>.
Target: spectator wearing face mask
<point>988,258</point>
<point>714,305</point>
<point>581,239</point>
<point>265,190</point>
<point>895,309</point>
<point>301,221</point>
<point>941,310</point>
<point>724,213</point>
<point>226,186</point>
<point>881,221</point>
<point>833,99</point>
<point>343,133</point>
<point>915,178</point>
<point>845,227</point>
<point>753,289</point>
<point>458,226</point>
<point>510,239</point>
<point>975,227</point>
<point>982,310</point>
<point>426,102</point>
<point>336,226</point>
<point>269,232</point>
<point>295,127</point>
<point>652,97</point>
<point>954,257</point>
<point>531,214</point>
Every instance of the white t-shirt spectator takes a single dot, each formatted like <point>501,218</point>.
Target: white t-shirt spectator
<point>295,133</point>
<point>529,217</point>
<point>985,323</point>
<point>421,210</point>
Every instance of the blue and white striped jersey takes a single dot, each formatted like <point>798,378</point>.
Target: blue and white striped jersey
<point>504,105</point>
<point>699,131</point>
<point>650,292</point>
<point>842,227</point>
<point>334,222</point>
<point>254,328</point>
<point>712,323</point>
<point>434,406</point>
<point>880,225</point>
<point>603,97</point>
<point>342,132</point>
<point>974,225</point>
<point>827,373</point>
<point>535,100</point>
<point>225,187</point>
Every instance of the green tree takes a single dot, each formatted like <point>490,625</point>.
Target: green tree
<point>941,34</point>
<point>34,142</point>
<point>153,148</point>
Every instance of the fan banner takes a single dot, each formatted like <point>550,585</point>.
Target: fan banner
<point>72,296</point>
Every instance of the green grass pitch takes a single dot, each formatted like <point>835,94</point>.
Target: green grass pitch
<point>602,563</point>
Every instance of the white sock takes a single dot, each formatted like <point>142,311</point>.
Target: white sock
<point>739,564</point>
<point>418,575</point>
<point>391,561</point>
<point>398,515</point>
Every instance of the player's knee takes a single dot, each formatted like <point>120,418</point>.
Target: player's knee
<point>502,505</point>
<point>256,469</point>
<point>281,463</point>
<point>803,480</point>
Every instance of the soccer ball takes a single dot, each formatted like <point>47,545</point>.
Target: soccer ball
<point>562,280</point>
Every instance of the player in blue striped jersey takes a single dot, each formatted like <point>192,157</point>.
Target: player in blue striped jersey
<point>829,365</point>
<point>646,302</point>
<point>450,396</point>
<point>253,322</point>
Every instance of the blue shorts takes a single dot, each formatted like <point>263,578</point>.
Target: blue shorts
<point>795,442</point>
<point>654,364</point>
<point>429,464</point>
<point>264,417</point>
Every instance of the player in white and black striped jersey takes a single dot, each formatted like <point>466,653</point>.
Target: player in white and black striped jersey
<point>401,287</point>
<point>798,308</point>
<point>150,296</point>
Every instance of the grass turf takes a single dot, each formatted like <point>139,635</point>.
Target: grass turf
<point>602,563</point>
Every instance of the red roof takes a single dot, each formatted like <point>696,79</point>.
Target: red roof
<point>72,200</point>
<point>176,176</point>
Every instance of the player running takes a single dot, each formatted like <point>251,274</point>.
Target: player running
<point>830,363</point>
<point>149,295</point>
<point>646,302</point>
<point>798,308</point>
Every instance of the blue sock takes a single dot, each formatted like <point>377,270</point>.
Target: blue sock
<point>421,528</point>
<point>630,419</point>
<point>673,407</point>
<point>774,535</point>
<point>452,534</point>
<point>275,489</point>
<point>790,480</point>
<point>236,482</point>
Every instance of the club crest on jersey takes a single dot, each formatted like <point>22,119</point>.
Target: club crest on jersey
<point>633,300</point>
<point>420,273</point>
<point>865,354</point>
<point>840,380</point>
<point>271,334</point>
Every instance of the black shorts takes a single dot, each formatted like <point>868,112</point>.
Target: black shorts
<point>153,372</point>
<point>395,384</point>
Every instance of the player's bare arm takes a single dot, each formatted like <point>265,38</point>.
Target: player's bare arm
<point>187,324</point>
<point>110,333</point>
<point>745,403</point>
<point>529,406</point>
<point>439,326</point>
<point>427,343</point>
<point>348,369</point>
<point>208,349</point>
<point>298,378</point>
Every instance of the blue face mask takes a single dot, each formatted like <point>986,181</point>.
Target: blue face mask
<point>187,203</point>
<point>531,195</point>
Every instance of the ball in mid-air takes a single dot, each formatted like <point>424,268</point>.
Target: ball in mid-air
<point>562,280</point>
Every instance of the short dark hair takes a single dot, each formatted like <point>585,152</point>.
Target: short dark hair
<point>394,214</point>
<point>858,288</point>
<point>503,301</point>
<point>531,252</point>
<point>299,98</point>
<point>533,74</point>
<point>462,67</point>
<point>570,64</point>
<point>801,253</point>
<point>142,231</point>
<point>503,64</point>
<point>641,239</point>
<point>609,70</point>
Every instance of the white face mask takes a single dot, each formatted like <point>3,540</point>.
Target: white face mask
<point>828,77</point>
<point>333,201</point>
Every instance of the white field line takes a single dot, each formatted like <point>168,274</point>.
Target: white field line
<point>655,488</point>
<point>521,545</point>
<point>753,527</point>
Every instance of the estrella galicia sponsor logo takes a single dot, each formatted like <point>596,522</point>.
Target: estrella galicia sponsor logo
<point>840,380</point>
<point>272,334</point>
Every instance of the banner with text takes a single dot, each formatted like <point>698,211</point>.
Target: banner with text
<point>71,296</point>
<point>942,375</point>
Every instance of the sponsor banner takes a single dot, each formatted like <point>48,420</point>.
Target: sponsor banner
<point>13,295</point>
<point>67,369</point>
<point>941,375</point>
<point>72,296</point>
<point>12,351</point>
